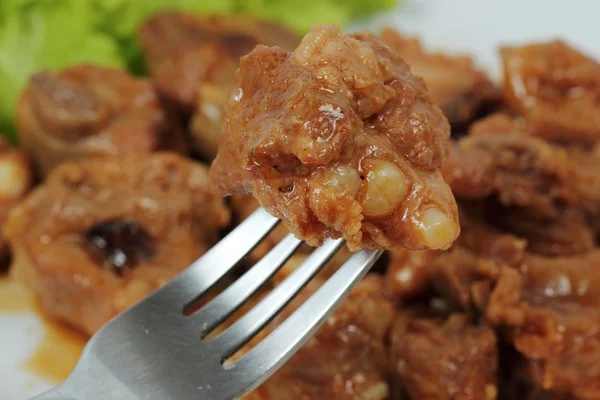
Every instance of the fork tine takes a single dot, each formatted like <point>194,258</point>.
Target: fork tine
<point>266,356</point>
<point>236,336</point>
<point>218,261</point>
<point>222,306</point>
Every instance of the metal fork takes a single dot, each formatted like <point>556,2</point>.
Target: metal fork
<point>154,351</point>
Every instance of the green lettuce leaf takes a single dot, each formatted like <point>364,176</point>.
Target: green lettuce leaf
<point>46,34</point>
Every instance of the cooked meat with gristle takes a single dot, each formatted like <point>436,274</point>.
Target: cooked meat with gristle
<point>556,88</point>
<point>16,179</point>
<point>192,60</point>
<point>442,359</point>
<point>86,111</point>
<point>454,82</point>
<point>101,234</point>
<point>339,139</point>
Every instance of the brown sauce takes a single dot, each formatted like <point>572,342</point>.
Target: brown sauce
<point>14,299</point>
<point>59,348</point>
<point>57,353</point>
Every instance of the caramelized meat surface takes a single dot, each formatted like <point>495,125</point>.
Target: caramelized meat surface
<point>556,88</point>
<point>346,358</point>
<point>454,82</point>
<point>16,179</point>
<point>192,61</point>
<point>443,359</point>
<point>339,139</point>
<point>101,234</point>
<point>88,111</point>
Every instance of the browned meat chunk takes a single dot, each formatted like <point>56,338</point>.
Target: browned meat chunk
<point>339,139</point>
<point>16,178</point>
<point>443,359</point>
<point>192,61</point>
<point>101,234</point>
<point>556,88</point>
<point>524,171</point>
<point>554,320</point>
<point>546,307</point>
<point>542,192</point>
<point>346,359</point>
<point>463,274</point>
<point>89,111</point>
<point>454,82</point>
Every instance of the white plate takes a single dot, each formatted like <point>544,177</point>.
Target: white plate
<point>471,26</point>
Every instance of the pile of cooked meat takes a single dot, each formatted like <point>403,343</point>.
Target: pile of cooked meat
<point>486,197</point>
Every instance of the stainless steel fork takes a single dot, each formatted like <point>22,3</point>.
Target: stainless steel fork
<point>154,351</point>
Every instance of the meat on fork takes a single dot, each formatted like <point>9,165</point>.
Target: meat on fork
<point>339,139</point>
<point>461,89</point>
<point>88,110</point>
<point>556,88</point>
<point>192,60</point>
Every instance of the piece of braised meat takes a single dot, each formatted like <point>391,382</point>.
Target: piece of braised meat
<point>462,90</point>
<point>547,308</point>
<point>339,139</point>
<point>192,60</point>
<point>346,358</point>
<point>101,234</point>
<point>16,179</point>
<point>437,358</point>
<point>556,88</point>
<point>552,318</point>
<point>524,171</point>
<point>86,111</point>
